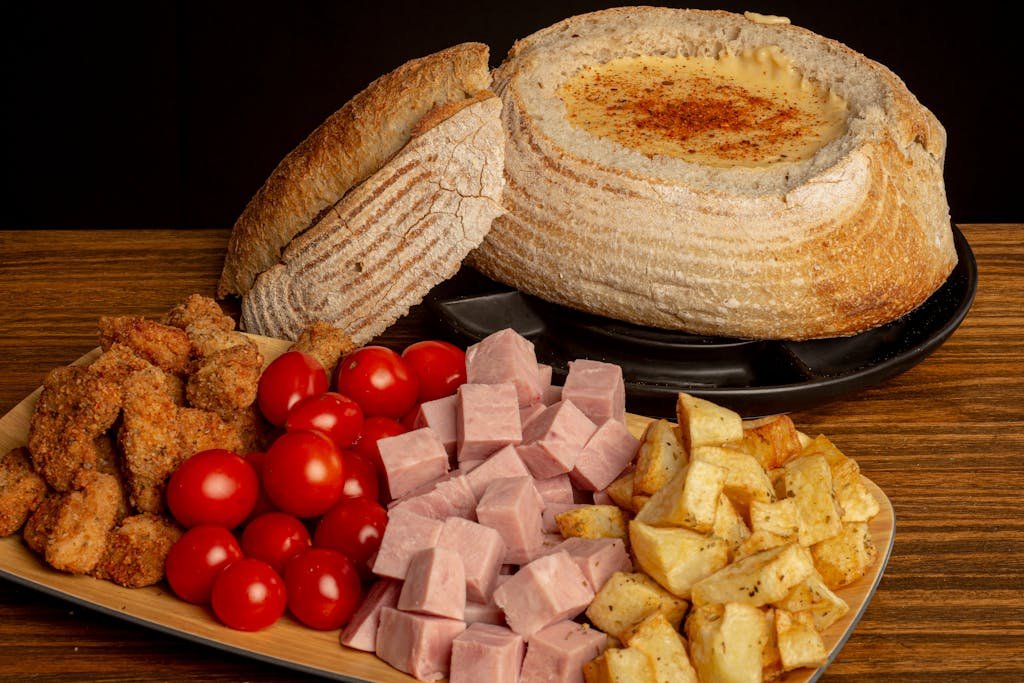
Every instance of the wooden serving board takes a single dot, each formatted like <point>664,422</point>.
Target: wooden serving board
<point>288,643</point>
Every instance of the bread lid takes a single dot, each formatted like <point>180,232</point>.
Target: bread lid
<point>349,147</point>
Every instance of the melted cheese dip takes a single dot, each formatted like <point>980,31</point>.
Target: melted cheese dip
<point>752,109</point>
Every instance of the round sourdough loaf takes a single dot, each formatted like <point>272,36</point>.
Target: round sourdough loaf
<point>851,237</point>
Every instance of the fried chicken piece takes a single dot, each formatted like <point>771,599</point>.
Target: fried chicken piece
<point>325,343</point>
<point>21,490</point>
<point>156,435</point>
<point>76,406</point>
<point>226,373</point>
<point>37,529</point>
<point>200,312</point>
<point>77,535</point>
<point>254,432</point>
<point>117,364</point>
<point>137,549</point>
<point>164,346</point>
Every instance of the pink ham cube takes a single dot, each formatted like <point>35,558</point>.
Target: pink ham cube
<point>485,653</point>
<point>417,644</point>
<point>431,504</point>
<point>505,357</point>
<point>458,492</point>
<point>557,653</point>
<point>607,453</point>
<point>412,459</point>
<point>555,489</point>
<point>548,590</point>
<point>552,395</point>
<point>602,498</point>
<point>554,439</point>
<point>484,613</point>
<point>597,389</point>
<point>513,508</point>
<point>486,420</point>
<point>505,463</point>
<point>482,551</point>
<point>529,412</point>
<point>406,534</point>
<point>435,584</point>
<point>361,631</point>
<point>439,415</point>
<point>544,374</point>
<point>598,558</point>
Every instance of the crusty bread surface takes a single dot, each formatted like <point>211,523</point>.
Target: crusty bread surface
<point>846,240</point>
<point>349,147</point>
<point>394,236</point>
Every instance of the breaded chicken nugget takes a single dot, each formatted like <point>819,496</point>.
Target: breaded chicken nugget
<point>226,373</point>
<point>136,550</point>
<point>21,490</point>
<point>78,535</point>
<point>156,435</point>
<point>164,346</point>
<point>75,406</point>
<point>325,343</point>
<point>199,311</point>
<point>254,432</point>
<point>36,532</point>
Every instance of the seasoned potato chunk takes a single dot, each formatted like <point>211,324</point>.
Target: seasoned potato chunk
<point>627,599</point>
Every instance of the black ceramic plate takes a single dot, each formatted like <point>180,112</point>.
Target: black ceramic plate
<point>751,377</point>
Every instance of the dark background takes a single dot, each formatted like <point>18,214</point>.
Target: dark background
<point>172,115</point>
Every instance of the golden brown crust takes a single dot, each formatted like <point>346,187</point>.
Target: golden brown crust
<point>324,342</point>
<point>21,490</point>
<point>136,551</point>
<point>351,145</point>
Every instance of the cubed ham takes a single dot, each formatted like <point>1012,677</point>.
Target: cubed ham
<point>597,389</point>
<point>361,632</point>
<point>482,551</point>
<point>548,590</point>
<point>484,613</point>
<point>529,412</point>
<point>458,492</point>
<point>598,558</point>
<point>485,653</point>
<point>513,508</point>
<point>439,415</point>
<point>431,504</point>
<point>417,644</point>
<point>557,653</point>
<point>406,534</point>
<point>551,510</point>
<point>552,395</point>
<point>602,498</point>
<point>505,357</point>
<point>549,544</point>
<point>411,459</point>
<point>505,463</point>
<point>544,374</point>
<point>487,419</point>
<point>607,453</point>
<point>435,584</point>
<point>554,439</point>
<point>555,489</point>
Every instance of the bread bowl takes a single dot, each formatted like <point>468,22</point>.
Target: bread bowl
<point>850,234</point>
<point>380,203</point>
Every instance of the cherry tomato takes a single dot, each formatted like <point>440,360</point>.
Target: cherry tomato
<point>303,474</point>
<point>288,379</point>
<point>439,366</point>
<point>197,558</point>
<point>375,428</point>
<point>378,380</point>
<point>263,504</point>
<point>215,487</point>
<point>337,416</point>
<point>323,588</point>
<point>249,595</point>
<point>275,538</point>
<point>353,527</point>
<point>360,476</point>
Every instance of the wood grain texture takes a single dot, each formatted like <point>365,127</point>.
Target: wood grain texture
<point>287,640</point>
<point>945,441</point>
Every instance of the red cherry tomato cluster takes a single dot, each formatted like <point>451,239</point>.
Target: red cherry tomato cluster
<point>322,475</point>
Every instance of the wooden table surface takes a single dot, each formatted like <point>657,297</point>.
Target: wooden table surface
<point>945,441</point>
